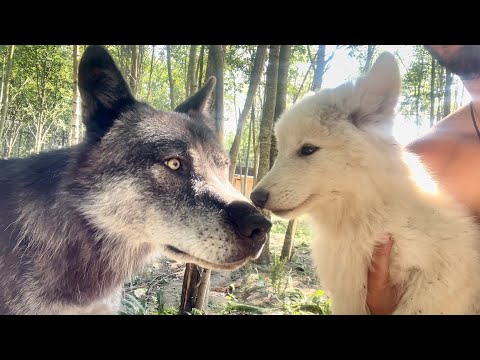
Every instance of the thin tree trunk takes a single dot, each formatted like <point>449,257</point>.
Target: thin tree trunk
<point>190,289</point>
<point>265,136</point>
<point>418,95</point>
<point>304,79</point>
<point>200,66</point>
<point>133,70</point>
<point>368,61</point>
<point>140,67</point>
<point>255,146</point>
<point>6,81</point>
<point>255,77</point>
<point>19,143</point>
<point>151,72</point>
<point>191,81</point>
<point>219,57</point>
<point>170,78</point>
<point>74,124</point>
<point>441,87</point>
<point>432,93</point>
<point>287,249</point>
<point>247,160</point>
<point>240,170</point>
<point>455,99</point>
<point>281,97</point>
<point>210,70</point>
<point>319,68</point>
<point>203,290</point>
<point>461,96</point>
<point>447,99</point>
<point>2,78</point>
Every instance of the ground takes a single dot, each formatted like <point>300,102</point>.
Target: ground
<point>283,287</point>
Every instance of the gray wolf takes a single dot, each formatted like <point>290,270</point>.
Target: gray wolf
<point>76,223</point>
<point>339,164</point>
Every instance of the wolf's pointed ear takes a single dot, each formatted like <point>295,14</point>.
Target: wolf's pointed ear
<point>104,92</point>
<point>200,101</point>
<point>377,94</point>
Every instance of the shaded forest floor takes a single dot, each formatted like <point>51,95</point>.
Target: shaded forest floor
<point>279,288</point>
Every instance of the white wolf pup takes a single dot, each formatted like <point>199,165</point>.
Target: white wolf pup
<point>339,164</point>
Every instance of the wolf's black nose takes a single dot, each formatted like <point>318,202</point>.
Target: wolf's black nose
<point>249,221</point>
<point>259,197</point>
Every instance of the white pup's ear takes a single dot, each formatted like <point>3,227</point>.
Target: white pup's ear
<point>377,94</point>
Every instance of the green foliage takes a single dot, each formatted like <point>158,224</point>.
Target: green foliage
<point>40,95</point>
<point>279,276</point>
<point>234,307</point>
<point>296,303</point>
<point>303,231</point>
<point>133,306</point>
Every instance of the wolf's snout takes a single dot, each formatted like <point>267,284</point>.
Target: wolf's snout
<point>259,197</point>
<point>249,222</point>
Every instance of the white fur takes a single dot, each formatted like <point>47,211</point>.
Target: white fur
<point>359,185</point>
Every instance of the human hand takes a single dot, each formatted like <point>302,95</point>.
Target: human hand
<point>381,295</point>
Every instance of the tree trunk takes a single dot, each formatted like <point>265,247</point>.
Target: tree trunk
<point>255,146</point>
<point>255,77</point>
<point>133,70</point>
<point>247,160</point>
<point>200,66</point>
<point>432,94</point>
<point>74,124</point>
<point>287,249</point>
<point>211,71</point>
<point>319,68</point>
<point>151,71</point>
<point>170,78</point>
<point>240,169</point>
<point>190,289</point>
<point>6,81</point>
<point>2,78</point>
<point>447,97</point>
<point>191,81</point>
<point>265,136</point>
<point>441,92</point>
<point>418,95</point>
<point>19,143</point>
<point>140,67</point>
<point>281,97</point>
<point>304,79</point>
<point>368,61</point>
<point>219,57</point>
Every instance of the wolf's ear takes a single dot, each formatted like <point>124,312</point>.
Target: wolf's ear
<point>200,101</point>
<point>377,94</point>
<point>105,94</point>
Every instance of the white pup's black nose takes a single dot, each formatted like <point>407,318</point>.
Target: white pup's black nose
<point>259,197</point>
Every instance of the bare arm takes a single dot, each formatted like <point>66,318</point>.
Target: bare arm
<point>381,295</point>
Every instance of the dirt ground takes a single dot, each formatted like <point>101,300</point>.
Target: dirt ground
<point>279,288</point>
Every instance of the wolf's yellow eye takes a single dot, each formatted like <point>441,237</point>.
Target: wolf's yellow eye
<point>173,164</point>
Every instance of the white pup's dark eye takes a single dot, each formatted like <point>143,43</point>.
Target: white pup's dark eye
<point>307,150</point>
<point>173,164</point>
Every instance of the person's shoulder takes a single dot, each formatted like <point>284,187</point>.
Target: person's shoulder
<point>431,142</point>
<point>434,148</point>
<point>444,136</point>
